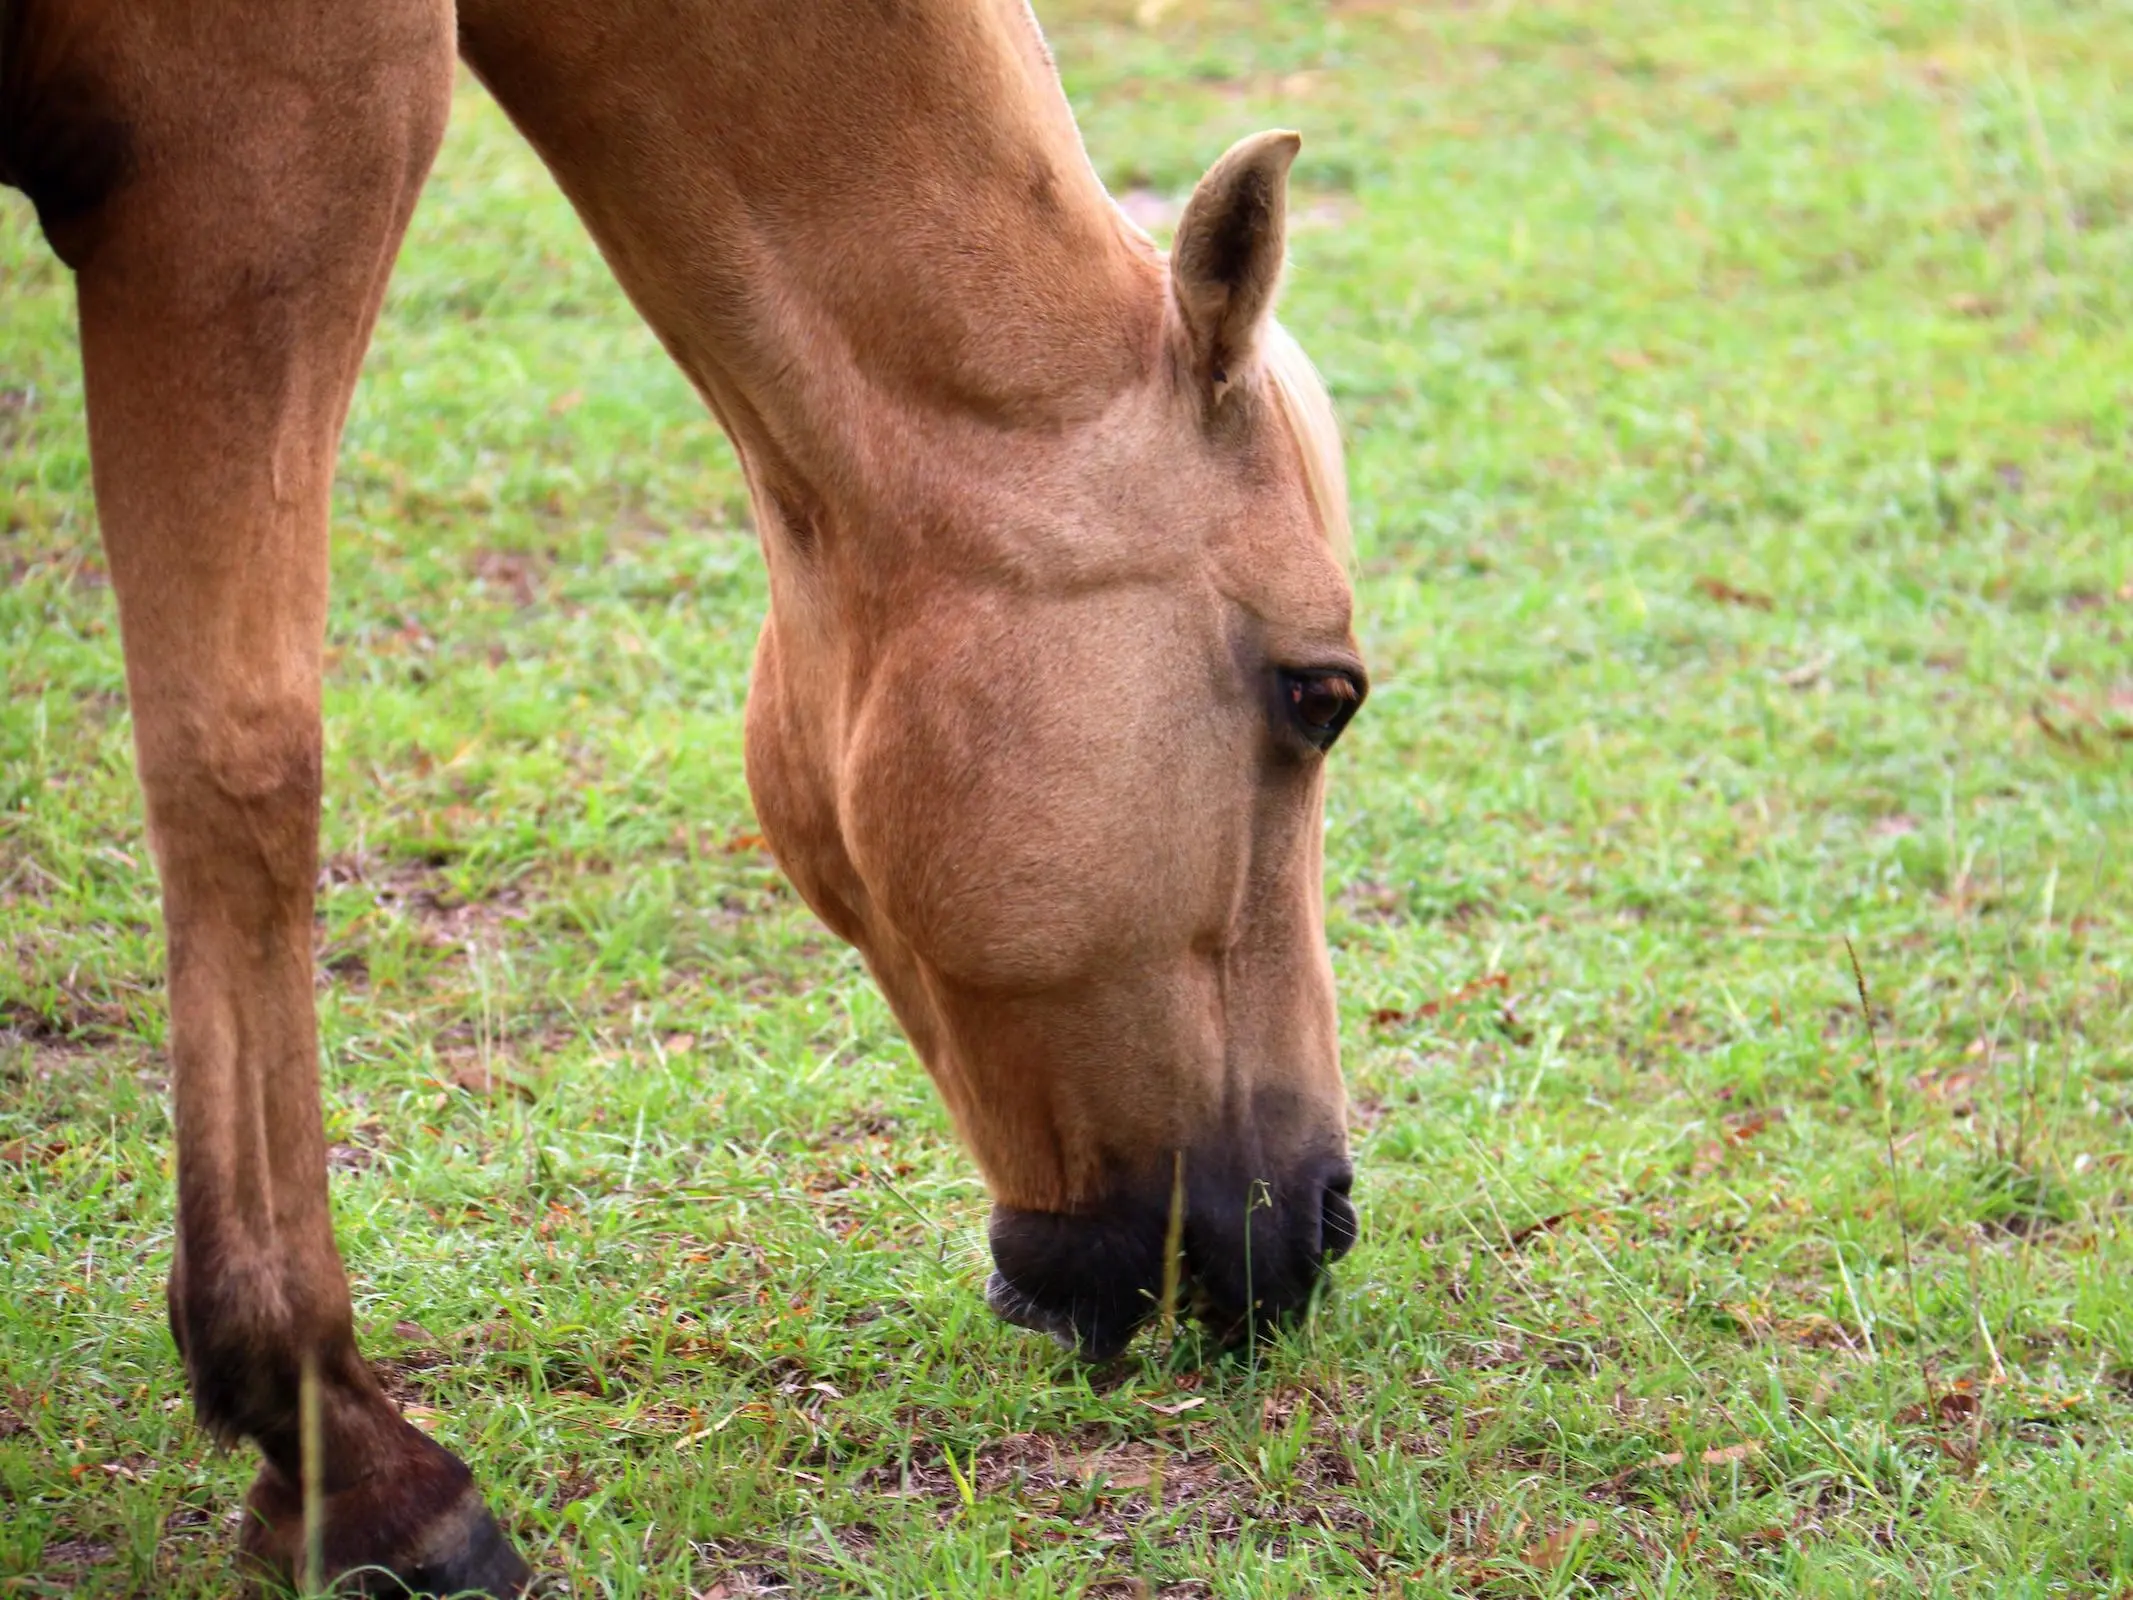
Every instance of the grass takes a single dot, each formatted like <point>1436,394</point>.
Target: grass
<point>1739,398</point>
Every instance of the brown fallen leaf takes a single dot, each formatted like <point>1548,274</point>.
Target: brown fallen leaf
<point>1544,1225</point>
<point>1948,1086</point>
<point>1552,1550</point>
<point>1958,1403</point>
<point>476,1077</point>
<point>742,843</point>
<point>1389,1016</point>
<point>1179,1408</point>
<point>1737,1130</point>
<point>1717,1456</point>
<point>1745,1125</point>
<point>1727,594</point>
<point>1112,1474</point>
<point>1807,674</point>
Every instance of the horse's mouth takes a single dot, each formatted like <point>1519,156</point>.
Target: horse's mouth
<point>1092,1282</point>
<point>1103,1341</point>
<point>1096,1341</point>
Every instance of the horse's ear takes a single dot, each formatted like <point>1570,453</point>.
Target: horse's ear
<point>1226,261</point>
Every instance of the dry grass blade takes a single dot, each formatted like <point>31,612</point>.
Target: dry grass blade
<point>311,1449</point>
<point>1883,1093</point>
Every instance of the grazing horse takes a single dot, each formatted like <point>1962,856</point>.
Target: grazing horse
<point>1059,630</point>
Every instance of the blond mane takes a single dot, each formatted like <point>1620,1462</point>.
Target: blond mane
<point>1300,395</point>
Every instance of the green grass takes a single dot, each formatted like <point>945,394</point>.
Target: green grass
<point>1740,399</point>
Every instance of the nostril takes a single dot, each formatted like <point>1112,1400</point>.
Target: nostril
<point>1338,1227</point>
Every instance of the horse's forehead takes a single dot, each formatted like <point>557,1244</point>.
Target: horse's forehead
<point>1270,575</point>
<point>1146,494</point>
<point>1177,518</point>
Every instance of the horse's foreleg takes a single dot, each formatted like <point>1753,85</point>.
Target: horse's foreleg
<point>230,264</point>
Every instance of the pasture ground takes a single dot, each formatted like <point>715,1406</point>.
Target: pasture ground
<point>1740,406</point>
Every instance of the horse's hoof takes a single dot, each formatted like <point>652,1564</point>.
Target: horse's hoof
<point>468,1554</point>
<point>417,1529</point>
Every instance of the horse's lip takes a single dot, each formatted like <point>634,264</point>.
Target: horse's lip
<point>1010,1304</point>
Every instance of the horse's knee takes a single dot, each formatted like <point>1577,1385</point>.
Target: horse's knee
<point>233,790</point>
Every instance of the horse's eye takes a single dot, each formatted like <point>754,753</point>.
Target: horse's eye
<point>1320,704</point>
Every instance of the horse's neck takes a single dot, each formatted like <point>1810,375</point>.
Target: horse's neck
<point>834,215</point>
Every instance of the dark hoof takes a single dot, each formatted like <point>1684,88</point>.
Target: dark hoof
<point>467,1554</point>
<point>419,1529</point>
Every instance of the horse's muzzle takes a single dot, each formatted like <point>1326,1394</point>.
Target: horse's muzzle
<point>1254,1252</point>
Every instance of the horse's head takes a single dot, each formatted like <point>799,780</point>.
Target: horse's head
<point>1054,759</point>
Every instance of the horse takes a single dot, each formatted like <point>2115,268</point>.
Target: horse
<point>1059,630</point>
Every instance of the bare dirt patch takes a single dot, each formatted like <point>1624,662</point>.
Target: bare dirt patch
<point>416,892</point>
